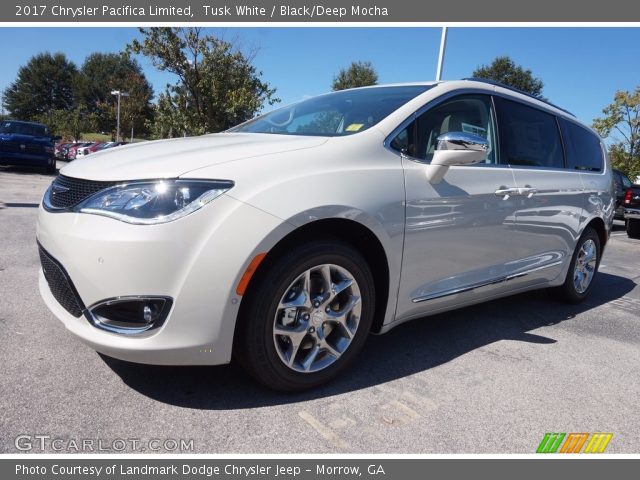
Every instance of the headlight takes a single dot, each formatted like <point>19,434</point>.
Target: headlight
<point>151,202</point>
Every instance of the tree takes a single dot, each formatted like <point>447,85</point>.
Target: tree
<point>505,70</point>
<point>217,86</point>
<point>102,73</point>
<point>69,124</point>
<point>621,124</point>
<point>358,74</point>
<point>45,83</point>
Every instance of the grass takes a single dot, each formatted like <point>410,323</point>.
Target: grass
<point>99,137</point>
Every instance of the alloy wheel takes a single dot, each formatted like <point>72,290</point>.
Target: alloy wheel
<point>585,266</point>
<point>317,318</point>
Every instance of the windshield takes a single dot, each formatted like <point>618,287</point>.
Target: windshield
<point>21,128</point>
<point>335,114</point>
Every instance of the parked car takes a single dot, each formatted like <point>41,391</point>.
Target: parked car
<point>632,211</point>
<point>106,145</point>
<point>88,149</point>
<point>286,240</point>
<point>27,144</point>
<point>621,184</point>
<point>59,149</point>
<point>72,151</point>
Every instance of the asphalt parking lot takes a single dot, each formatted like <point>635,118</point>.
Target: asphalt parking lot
<point>493,378</point>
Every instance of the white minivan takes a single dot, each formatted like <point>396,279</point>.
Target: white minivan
<point>286,240</point>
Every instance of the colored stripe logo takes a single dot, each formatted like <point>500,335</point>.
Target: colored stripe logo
<point>573,442</point>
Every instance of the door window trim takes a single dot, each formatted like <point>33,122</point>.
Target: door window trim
<point>466,91</point>
<point>603,149</point>
<point>436,102</point>
<point>559,130</point>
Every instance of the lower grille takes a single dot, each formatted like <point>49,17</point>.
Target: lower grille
<point>60,284</point>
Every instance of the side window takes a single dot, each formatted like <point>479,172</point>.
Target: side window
<point>617,181</point>
<point>466,113</point>
<point>626,183</point>
<point>403,141</point>
<point>583,147</point>
<point>528,136</point>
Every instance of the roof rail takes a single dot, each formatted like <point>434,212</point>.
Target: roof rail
<point>513,89</point>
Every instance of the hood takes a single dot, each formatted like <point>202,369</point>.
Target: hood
<point>175,157</point>
<point>18,137</point>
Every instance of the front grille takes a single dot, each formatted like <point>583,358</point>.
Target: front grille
<point>67,192</point>
<point>60,284</point>
<point>10,146</point>
<point>34,148</point>
<point>13,146</point>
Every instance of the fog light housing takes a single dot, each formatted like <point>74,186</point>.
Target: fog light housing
<point>129,315</point>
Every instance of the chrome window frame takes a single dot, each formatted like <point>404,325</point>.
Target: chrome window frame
<point>434,103</point>
<point>492,94</point>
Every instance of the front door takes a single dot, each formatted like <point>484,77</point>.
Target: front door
<point>458,237</point>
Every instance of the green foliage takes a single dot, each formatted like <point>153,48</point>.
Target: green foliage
<point>102,73</point>
<point>505,70</point>
<point>50,89</point>
<point>358,74</point>
<point>621,124</point>
<point>45,83</point>
<point>69,124</point>
<point>217,85</point>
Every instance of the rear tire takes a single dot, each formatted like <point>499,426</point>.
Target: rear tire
<point>582,270</point>
<point>307,317</point>
<point>633,228</point>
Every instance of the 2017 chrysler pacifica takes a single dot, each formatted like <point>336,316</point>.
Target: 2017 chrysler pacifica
<point>286,240</point>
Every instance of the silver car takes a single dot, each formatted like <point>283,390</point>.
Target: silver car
<point>287,240</point>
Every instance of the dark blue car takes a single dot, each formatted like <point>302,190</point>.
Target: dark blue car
<point>26,144</point>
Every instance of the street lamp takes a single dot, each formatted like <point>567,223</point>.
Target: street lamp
<point>443,46</point>
<point>119,94</point>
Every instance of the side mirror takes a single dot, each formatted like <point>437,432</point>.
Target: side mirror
<point>456,148</point>
<point>56,138</point>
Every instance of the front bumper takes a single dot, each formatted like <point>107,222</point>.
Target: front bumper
<point>197,261</point>
<point>632,213</point>
<point>24,159</point>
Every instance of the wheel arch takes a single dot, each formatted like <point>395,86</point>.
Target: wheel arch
<point>349,231</point>
<point>598,225</point>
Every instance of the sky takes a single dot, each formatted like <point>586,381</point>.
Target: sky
<point>581,67</point>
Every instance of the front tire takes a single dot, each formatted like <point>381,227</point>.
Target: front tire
<point>633,228</point>
<point>307,317</point>
<point>582,270</point>
<point>51,167</point>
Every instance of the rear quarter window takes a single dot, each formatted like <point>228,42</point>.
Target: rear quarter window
<point>583,147</point>
<point>529,137</point>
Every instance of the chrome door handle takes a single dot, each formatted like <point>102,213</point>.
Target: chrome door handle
<point>527,191</point>
<point>505,192</point>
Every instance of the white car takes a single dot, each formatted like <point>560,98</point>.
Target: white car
<point>287,240</point>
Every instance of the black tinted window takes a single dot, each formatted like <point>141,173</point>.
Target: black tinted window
<point>583,147</point>
<point>528,136</point>
<point>23,128</point>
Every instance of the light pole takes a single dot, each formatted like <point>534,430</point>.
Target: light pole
<point>443,46</point>
<point>119,94</point>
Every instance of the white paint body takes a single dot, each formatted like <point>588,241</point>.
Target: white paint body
<point>281,183</point>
